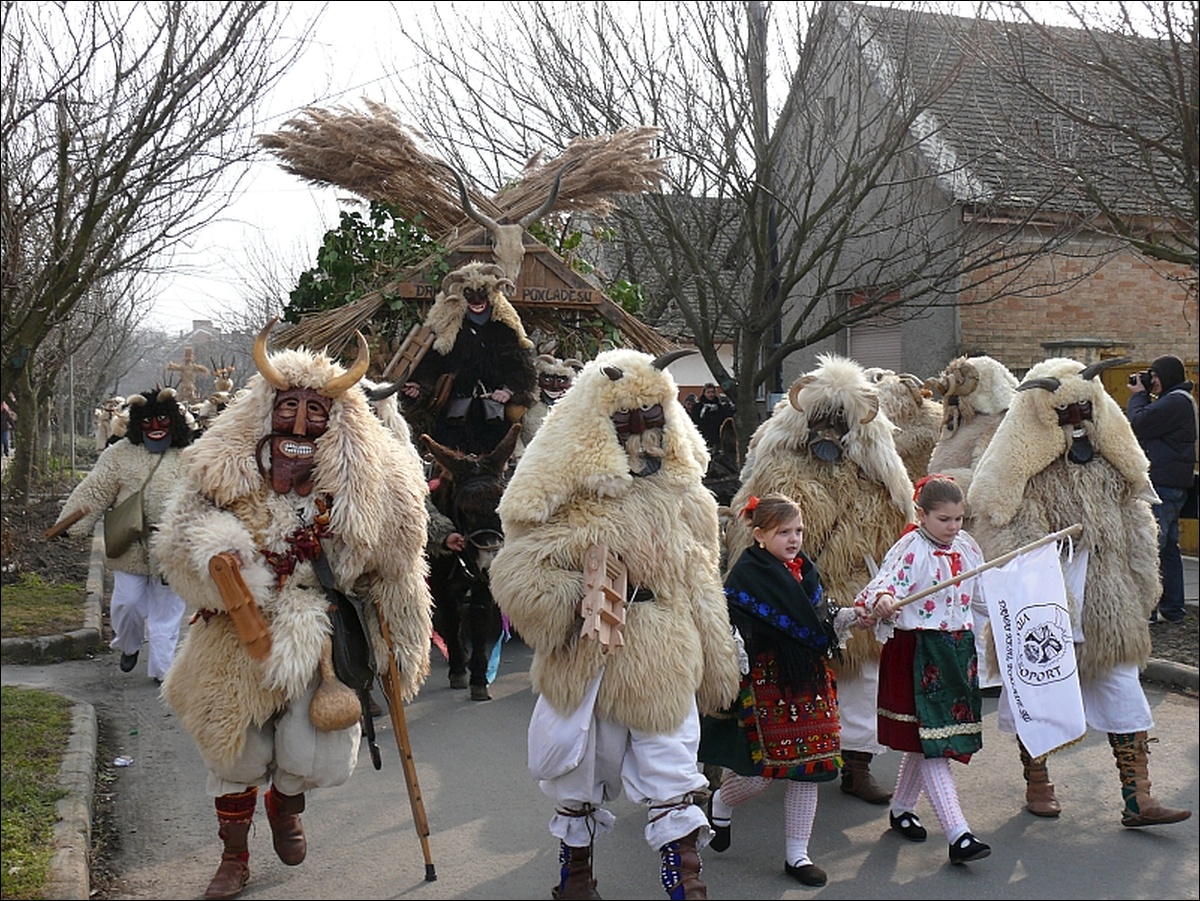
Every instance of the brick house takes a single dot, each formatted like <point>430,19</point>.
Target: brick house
<point>1002,162</point>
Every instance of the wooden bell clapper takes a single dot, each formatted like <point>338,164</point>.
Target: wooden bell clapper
<point>605,581</point>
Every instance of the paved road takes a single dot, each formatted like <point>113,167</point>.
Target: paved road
<point>488,820</point>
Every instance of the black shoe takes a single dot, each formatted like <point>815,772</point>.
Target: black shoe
<point>968,848</point>
<point>128,662</point>
<point>909,826</point>
<point>722,835</point>
<point>806,874</point>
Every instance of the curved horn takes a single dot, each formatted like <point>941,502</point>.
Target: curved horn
<point>529,218</point>
<point>263,362</point>
<point>382,392</point>
<point>340,383</point>
<point>1048,383</point>
<point>1096,368</point>
<point>489,224</point>
<point>873,403</point>
<point>665,360</point>
<point>794,393</point>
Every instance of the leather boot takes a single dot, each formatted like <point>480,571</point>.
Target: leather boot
<point>575,874</point>
<point>1132,752</point>
<point>287,832</point>
<point>681,868</point>
<point>858,781</point>
<point>1039,790</point>
<point>234,814</point>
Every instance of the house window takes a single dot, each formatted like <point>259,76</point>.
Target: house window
<point>875,341</point>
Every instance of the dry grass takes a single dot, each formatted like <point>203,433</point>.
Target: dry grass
<point>374,155</point>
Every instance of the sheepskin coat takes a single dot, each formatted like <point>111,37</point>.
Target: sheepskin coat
<point>1025,487</point>
<point>914,413</point>
<point>854,508</point>
<point>223,503</point>
<point>976,394</point>
<point>119,471</point>
<point>571,489</point>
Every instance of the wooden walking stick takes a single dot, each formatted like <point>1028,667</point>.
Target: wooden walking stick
<point>999,561</point>
<point>63,524</point>
<point>391,690</point>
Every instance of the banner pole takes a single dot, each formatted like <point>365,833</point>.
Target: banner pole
<point>999,561</point>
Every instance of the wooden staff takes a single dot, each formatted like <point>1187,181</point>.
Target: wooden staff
<point>63,524</point>
<point>391,689</point>
<point>999,561</point>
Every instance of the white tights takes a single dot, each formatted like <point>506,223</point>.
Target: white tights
<point>933,775</point>
<point>799,809</point>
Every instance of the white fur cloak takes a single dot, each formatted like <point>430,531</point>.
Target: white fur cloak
<point>572,488</point>
<point>1025,488</point>
<point>222,503</point>
<point>854,508</point>
<point>120,470</point>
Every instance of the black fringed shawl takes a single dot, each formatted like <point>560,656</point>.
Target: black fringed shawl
<point>775,612</point>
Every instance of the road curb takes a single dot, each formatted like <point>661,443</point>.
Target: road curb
<point>78,643</point>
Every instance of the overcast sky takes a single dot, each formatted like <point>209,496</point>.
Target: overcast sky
<point>278,214</point>
<point>278,210</point>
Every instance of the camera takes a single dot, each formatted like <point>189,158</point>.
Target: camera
<point>1142,378</point>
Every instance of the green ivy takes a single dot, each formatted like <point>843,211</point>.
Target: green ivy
<point>360,255</point>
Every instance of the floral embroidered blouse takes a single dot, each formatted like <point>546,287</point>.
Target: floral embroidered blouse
<point>916,562</point>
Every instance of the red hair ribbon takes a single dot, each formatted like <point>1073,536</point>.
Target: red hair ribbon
<point>925,480</point>
<point>751,506</point>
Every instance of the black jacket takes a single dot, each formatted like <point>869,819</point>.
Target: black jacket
<point>1166,429</point>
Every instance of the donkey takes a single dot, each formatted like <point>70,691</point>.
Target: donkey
<point>465,613</point>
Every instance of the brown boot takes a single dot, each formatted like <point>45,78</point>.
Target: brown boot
<point>1039,790</point>
<point>287,832</point>
<point>575,876</point>
<point>1132,751</point>
<point>858,781</point>
<point>234,813</point>
<point>681,868</point>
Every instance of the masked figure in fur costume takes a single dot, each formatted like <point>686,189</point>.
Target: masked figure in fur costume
<point>619,465</point>
<point>296,473</point>
<point>1066,454</point>
<point>829,448</point>
<point>479,377</point>
<point>147,459</point>
<point>554,377</point>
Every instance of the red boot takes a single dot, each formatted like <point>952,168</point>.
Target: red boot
<point>234,814</point>
<point>287,832</point>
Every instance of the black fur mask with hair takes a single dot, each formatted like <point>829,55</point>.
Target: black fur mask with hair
<point>158,401</point>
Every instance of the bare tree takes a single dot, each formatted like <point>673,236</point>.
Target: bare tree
<point>126,127</point>
<point>1124,130</point>
<point>789,196</point>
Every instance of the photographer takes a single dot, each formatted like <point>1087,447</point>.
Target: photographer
<point>1166,429</point>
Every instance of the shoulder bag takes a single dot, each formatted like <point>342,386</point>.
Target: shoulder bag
<point>125,522</point>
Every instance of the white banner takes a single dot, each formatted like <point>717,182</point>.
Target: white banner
<point>1031,624</point>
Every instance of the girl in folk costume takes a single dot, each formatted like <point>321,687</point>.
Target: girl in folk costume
<point>784,724</point>
<point>298,482</point>
<point>930,706</point>
<point>830,448</point>
<point>143,604</point>
<point>147,459</point>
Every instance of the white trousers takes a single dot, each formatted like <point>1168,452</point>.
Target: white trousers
<point>655,770</point>
<point>141,607</point>
<point>289,752</point>
<point>858,706</point>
